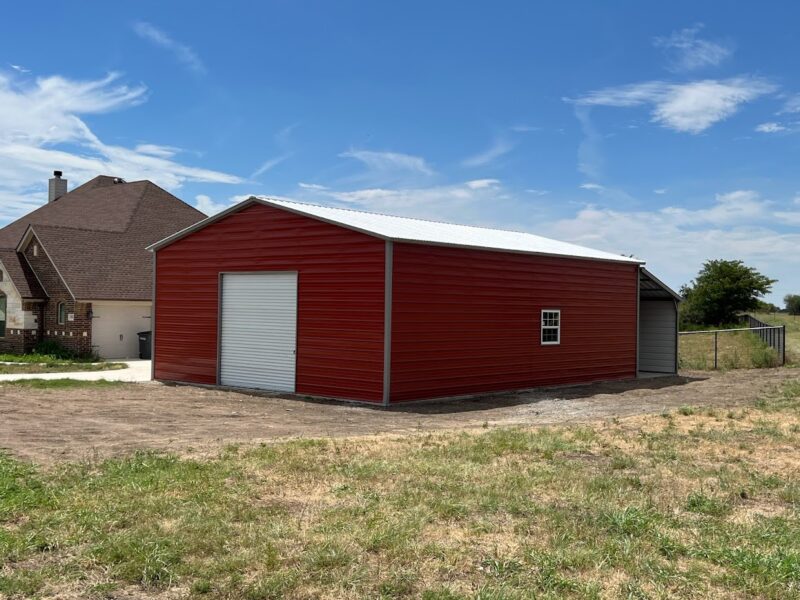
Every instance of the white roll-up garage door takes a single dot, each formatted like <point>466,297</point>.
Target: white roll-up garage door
<point>657,336</point>
<point>258,330</point>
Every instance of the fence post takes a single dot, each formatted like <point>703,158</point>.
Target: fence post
<point>716,334</point>
<point>783,345</point>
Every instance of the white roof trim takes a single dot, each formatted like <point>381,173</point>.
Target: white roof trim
<point>419,231</point>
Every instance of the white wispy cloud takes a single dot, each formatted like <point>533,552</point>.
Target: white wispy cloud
<point>536,192</point>
<point>770,127</point>
<point>311,186</point>
<point>689,107</point>
<point>480,202</point>
<point>283,135</point>
<point>480,184</point>
<point>157,150</point>
<point>41,129</point>
<point>522,128</point>
<point>687,52</point>
<point>270,164</point>
<point>19,68</point>
<point>389,161</point>
<point>206,204</point>
<point>660,191</point>
<point>183,53</point>
<point>791,105</point>
<point>675,240</point>
<point>791,217</point>
<point>590,156</point>
<point>500,146</point>
<point>592,187</point>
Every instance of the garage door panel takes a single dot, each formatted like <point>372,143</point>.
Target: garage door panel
<point>115,328</point>
<point>657,336</point>
<point>258,330</point>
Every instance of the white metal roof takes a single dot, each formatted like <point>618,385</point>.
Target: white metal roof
<point>404,229</point>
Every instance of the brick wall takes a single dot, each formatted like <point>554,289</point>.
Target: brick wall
<point>75,335</point>
<point>19,341</point>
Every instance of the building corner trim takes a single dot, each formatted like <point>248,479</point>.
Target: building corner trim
<point>388,278</point>
<point>638,316</point>
<point>153,321</point>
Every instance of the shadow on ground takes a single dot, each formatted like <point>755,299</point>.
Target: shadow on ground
<point>481,402</point>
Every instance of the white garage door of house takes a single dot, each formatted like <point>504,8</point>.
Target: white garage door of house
<point>258,330</point>
<point>115,328</point>
<point>657,336</point>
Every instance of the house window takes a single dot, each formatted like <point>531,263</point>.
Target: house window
<point>2,315</point>
<point>62,313</point>
<point>36,249</point>
<point>551,327</point>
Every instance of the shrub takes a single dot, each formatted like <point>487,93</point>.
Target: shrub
<point>792,304</point>
<point>54,349</point>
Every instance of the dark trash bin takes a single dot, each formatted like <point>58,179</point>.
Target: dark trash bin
<point>144,344</point>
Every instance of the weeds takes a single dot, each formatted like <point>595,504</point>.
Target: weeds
<point>654,507</point>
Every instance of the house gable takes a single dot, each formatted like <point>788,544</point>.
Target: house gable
<point>43,266</point>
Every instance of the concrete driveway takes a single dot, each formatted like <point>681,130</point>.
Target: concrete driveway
<point>137,370</point>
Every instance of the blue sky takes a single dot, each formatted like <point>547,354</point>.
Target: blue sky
<point>665,130</point>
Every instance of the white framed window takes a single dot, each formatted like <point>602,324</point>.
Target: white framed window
<point>551,327</point>
<point>62,313</point>
<point>36,249</point>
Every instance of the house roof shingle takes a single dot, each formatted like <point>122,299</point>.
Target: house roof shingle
<point>22,275</point>
<point>97,234</point>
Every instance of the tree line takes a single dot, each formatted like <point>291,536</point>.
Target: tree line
<point>724,289</point>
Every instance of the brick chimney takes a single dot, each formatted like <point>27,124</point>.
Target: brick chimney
<point>57,187</point>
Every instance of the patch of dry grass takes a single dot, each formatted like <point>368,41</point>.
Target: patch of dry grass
<point>692,503</point>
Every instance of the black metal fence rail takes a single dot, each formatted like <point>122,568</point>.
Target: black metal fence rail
<point>772,336</point>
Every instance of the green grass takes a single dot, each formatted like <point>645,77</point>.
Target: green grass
<point>735,350</point>
<point>43,359</point>
<point>46,363</point>
<point>693,505</point>
<point>61,383</point>
<point>59,367</point>
<point>792,323</point>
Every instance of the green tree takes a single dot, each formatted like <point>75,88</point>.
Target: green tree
<point>767,307</point>
<point>722,290</point>
<point>792,302</point>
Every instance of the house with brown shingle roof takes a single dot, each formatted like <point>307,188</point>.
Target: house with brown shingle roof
<point>76,270</point>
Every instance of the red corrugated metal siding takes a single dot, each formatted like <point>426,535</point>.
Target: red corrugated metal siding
<point>467,321</point>
<point>340,299</point>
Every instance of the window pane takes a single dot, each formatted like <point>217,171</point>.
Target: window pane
<point>550,319</point>
<point>550,335</point>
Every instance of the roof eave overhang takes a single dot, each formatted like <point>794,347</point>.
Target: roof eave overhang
<point>266,202</point>
<point>675,295</point>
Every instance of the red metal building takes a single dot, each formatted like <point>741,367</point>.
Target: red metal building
<point>337,303</point>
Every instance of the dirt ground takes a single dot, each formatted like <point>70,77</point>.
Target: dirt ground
<point>47,426</point>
